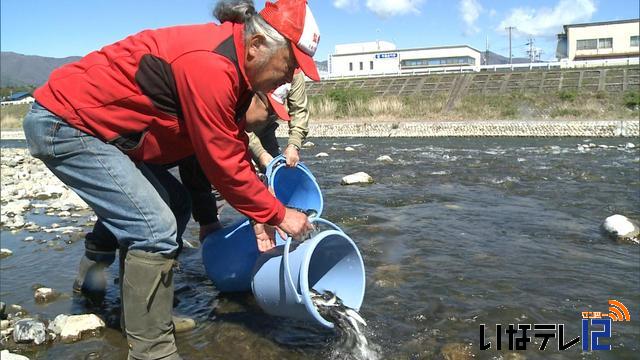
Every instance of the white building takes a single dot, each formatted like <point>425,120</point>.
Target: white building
<point>600,40</point>
<point>381,57</point>
<point>17,99</point>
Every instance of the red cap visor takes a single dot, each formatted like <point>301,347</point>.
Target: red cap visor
<point>279,109</point>
<point>306,63</point>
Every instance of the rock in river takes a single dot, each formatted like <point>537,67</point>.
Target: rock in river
<point>29,330</point>
<point>357,178</point>
<point>71,327</point>
<point>622,229</point>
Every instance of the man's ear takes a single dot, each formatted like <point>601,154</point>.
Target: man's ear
<point>255,45</point>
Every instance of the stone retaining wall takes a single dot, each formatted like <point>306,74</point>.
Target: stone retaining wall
<point>618,128</point>
<point>623,128</point>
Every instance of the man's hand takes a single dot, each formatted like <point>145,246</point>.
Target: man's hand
<point>265,236</point>
<point>295,224</point>
<point>265,159</point>
<point>292,154</point>
<point>208,229</point>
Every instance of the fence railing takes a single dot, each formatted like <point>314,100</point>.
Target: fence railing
<point>564,64</point>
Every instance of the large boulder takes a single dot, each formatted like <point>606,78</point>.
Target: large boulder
<point>7,355</point>
<point>72,327</point>
<point>29,331</point>
<point>621,228</point>
<point>357,178</point>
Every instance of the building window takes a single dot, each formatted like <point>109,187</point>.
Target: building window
<point>588,44</point>
<point>635,40</point>
<point>605,43</point>
<point>448,61</point>
<point>350,66</point>
<point>361,66</point>
<point>371,63</point>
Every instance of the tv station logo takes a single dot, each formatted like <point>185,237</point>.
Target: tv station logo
<point>596,327</point>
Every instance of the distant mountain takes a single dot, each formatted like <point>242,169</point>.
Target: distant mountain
<point>323,65</point>
<point>22,70</point>
<point>497,59</point>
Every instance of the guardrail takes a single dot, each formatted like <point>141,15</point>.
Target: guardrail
<point>564,64</point>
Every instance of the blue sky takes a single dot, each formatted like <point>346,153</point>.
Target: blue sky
<point>60,28</point>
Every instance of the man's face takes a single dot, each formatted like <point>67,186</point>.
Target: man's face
<point>267,71</point>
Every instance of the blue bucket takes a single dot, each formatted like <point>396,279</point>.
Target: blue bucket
<point>329,261</point>
<point>295,187</point>
<point>230,254</point>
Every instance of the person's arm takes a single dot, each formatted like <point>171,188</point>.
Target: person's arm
<point>259,153</point>
<point>299,124</point>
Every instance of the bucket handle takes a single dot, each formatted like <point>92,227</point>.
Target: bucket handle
<point>285,257</point>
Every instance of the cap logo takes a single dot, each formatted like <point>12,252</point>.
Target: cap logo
<point>310,34</point>
<point>280,94</point>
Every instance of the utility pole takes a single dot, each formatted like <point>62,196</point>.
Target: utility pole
<point>509,28</point>
<point>532,50</point>
<point>486,53</point>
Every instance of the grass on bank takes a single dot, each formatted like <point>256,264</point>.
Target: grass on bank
<point>11,116</point>
<point>348,104</point>
<point>341,104</point>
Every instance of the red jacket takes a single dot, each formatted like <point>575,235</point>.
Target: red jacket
<point>162,95</point>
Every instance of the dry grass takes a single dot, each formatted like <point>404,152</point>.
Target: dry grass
<point>511,106</point>
<point>11,116</point>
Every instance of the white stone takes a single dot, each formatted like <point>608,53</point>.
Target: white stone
<point>45,294</point>
<point>308,144</point>
<point>603,146</point>
<point>349,148</point>
<point>65,229</point>
<point>64,214</point>
<point>384,158</point>
<point>71,327</point>
<point>630,145</point>
<point>16,207</point>
<point>5,252</point>
<point>29,330</point>
<point>29,238</point>
<point>7,355</point>
<point>357,178</point>
<point>621,227</point>
<point>322,154</point>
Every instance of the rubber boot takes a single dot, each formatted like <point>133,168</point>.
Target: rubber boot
<point>91,278</point>
<point>180,323</point>
<point>99,254</point>
<point>147,299</point>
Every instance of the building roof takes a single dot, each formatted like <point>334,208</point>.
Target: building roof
<point>17,96</point>
<point>601,23</point>
<point>412,49</point>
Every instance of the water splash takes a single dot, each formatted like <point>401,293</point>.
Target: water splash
<point>351,344</point>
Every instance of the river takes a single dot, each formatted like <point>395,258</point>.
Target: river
<point>455,233</point>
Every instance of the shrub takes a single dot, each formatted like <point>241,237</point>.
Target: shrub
<point>631,99</point>
<point>567,95</point>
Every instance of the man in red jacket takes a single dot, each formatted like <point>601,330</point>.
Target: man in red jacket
<point>155,98</point>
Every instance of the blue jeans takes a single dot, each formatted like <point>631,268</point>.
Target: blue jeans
<point>134,201</point>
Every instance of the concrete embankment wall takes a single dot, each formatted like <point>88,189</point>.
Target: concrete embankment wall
<point>623,128</point>
<point>618,128</point>
<point>611,80</point>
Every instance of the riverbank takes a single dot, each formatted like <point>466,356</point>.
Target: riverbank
<point>497,128</point>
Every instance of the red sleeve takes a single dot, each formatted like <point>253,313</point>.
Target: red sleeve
<point>207,86</point>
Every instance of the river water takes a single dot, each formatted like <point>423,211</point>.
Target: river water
<point>455,233</point>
